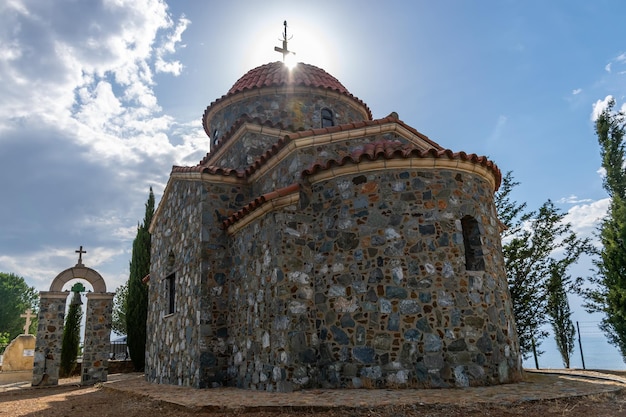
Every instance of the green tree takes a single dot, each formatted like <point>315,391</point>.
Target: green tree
<point>534,243</point>
<point>71,333</point>
<point>137,299</point>
<point>118,323</point>
<point>4,341</point>
<point>16,298</point>
<point>559,313</point>
<point>608,293</point>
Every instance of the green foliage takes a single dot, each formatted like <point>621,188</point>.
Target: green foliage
<point>608,294</point>
<point>560,315</point>
<point>16,298</point>
<point>71,338</point>
<point>137,298</point>
<point>118,323</point>
<point>4,341</point>
<point>534,244</point>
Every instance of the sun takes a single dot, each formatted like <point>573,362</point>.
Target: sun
<point>291,61</point>
<point>310,44</point>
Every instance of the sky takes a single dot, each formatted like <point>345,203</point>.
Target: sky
<point>99,98</point>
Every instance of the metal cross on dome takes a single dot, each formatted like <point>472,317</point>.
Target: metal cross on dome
<point>284,50</point>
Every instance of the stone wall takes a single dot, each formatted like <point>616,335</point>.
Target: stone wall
<point>291,110</point>
<point>19,355</point>
<point>289,170</point>
<point>97,346</point>
<point>49,338</point>
<point>188,347</point>
<point>172,338</point>
<point>367,285</point>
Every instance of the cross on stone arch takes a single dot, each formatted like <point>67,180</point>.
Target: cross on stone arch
<point>80,252</point>
<point>97,330</point>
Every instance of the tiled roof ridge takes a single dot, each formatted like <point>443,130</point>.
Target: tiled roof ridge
<point>392,118</point>
<point>281,142</point>
<point>393,149</point>
<point>210,169</point>
<point>276,74</point>
<point>245,118</point>
<point>258,202</point>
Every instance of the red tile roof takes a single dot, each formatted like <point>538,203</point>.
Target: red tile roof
<point>238,123</point>
<point>395,149</point>
<point>277,74</point>
<point>371,151</point>
<point>392,118</point>
<point>258,202</point>
<point>281,142</point>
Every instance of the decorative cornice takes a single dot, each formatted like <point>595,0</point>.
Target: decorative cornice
<point>422,153</point>
<point>393,155</point>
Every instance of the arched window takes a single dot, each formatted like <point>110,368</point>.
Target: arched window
<point>170,284</point>
<point>327,118</point>
<point>474,260</point>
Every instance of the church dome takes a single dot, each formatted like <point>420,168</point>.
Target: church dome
<point>305,84</point>
<point>277,74</point>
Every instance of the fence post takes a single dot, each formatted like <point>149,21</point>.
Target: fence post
<point>580,345</point>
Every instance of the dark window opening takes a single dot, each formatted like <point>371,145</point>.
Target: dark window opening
<point>215,138</point>
<point>171,292</point>
<point>474,260</point>
<point>327,118</point>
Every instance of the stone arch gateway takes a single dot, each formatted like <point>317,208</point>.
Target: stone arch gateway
<point>50,329</point>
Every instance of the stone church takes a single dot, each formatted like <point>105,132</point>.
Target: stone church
<point>316,246</point>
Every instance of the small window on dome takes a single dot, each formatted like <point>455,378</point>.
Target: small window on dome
<point>215,133</point>
<point>327,118</point>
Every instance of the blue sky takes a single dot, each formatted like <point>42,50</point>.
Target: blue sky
<point>100,98</point>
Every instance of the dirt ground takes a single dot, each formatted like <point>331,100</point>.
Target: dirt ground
<point>75,401</point>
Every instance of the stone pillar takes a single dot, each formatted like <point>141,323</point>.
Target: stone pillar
<point>97,338</point>
<point>49,338</point>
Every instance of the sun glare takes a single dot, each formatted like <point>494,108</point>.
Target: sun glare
<point>291,61</point>
<point>311,45</point>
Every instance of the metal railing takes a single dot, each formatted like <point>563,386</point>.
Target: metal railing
<point>119,351</point>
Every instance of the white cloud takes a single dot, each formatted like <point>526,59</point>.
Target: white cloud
<point>99,75</point>
<point>573,199</point>
<point>599,106</point>
<point>54,260</point>
<point>601,172</point>
<point>169,47</point>
<point>607,67</point>
<point>496,133</point>
<point>79,113</point>
<point>577,91</point>
<point>585,218</point>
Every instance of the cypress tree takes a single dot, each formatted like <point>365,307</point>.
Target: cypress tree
<point>534,245</point>
<point>71,333</point>
<point>137,298</point>
<point>560,314</point>
<point>609,294</point>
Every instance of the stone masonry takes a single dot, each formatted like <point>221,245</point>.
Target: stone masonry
<point>97,338</point>
<point>304,251</point>
<point>52,319</point>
